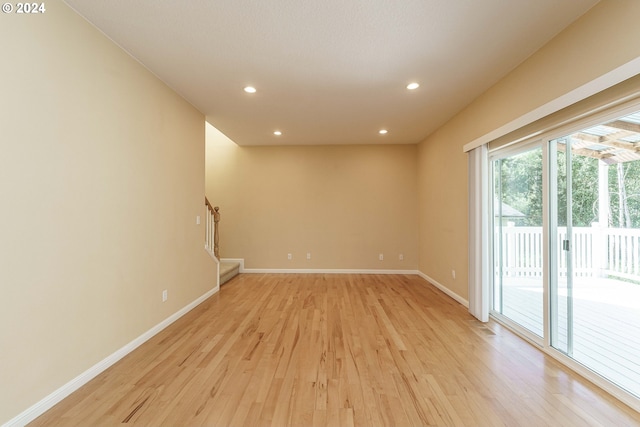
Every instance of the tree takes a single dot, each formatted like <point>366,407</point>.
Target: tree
<point>518,183</point>
<point>624,190</point>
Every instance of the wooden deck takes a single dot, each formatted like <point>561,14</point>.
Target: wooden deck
<point>606,324</point>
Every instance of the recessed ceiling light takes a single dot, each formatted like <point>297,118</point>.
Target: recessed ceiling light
<point>250,89</point>
<point>412,86</point>
<point>277,133</point>
<point>382,131</point>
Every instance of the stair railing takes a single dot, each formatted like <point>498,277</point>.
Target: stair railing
<point>212,237</point>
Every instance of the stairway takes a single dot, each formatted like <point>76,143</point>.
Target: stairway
<point>228,270</point>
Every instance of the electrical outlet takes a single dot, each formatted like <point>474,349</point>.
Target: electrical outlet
<point>401,257</point>
<point>289,257</point>
<point>165,295</point>
<point>198,220</point>
<point>308,255</point>
<point>381,257</point>
<point>453,274</point>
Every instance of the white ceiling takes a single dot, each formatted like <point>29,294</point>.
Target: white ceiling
<point>330,71</point>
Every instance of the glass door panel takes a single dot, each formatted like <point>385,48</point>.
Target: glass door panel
<point>595,249</point>
<point>560,231</point>
<point>517,239</point>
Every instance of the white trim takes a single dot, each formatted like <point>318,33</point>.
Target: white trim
<point>325,271</point>
<point>217,261</point>
<point>598,84</point>
<point>479,235</point>
<point>444,289</point>
<point>52,399</point>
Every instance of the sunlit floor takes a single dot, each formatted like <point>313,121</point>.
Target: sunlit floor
<point>336,349</point>
<point>606,323</point>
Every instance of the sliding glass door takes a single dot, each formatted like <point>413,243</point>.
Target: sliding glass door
<point>594,232</point>
<point>517,239</point>
<point>566,246</point>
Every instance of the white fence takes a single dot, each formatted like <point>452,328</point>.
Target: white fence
<point>623,252</point>
<point>596,251</point>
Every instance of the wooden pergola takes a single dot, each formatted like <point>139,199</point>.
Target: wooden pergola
<point>613,142</point>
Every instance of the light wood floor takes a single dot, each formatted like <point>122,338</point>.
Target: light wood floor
<point>329,350</point>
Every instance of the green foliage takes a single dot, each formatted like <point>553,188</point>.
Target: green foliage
<point>520,186</point>
<point>584,174</point>
<point>632,186</point>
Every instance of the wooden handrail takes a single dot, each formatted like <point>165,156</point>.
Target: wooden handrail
<point>208,205</point>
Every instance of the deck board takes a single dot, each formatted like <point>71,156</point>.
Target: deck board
<point>606,324</point>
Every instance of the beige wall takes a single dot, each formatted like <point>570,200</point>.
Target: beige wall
<point>101,179</point>
<point>344,204</point>
<point>600,41</point>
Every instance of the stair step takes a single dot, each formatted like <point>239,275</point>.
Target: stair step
<point>228,270</point>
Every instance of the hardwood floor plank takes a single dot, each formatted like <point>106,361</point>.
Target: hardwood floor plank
<point>329,350</point>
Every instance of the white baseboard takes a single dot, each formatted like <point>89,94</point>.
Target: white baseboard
<point>324,271</point>
<point>52,399</point>
<point>444,289</point>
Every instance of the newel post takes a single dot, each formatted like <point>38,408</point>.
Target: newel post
<point>216,236</point>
